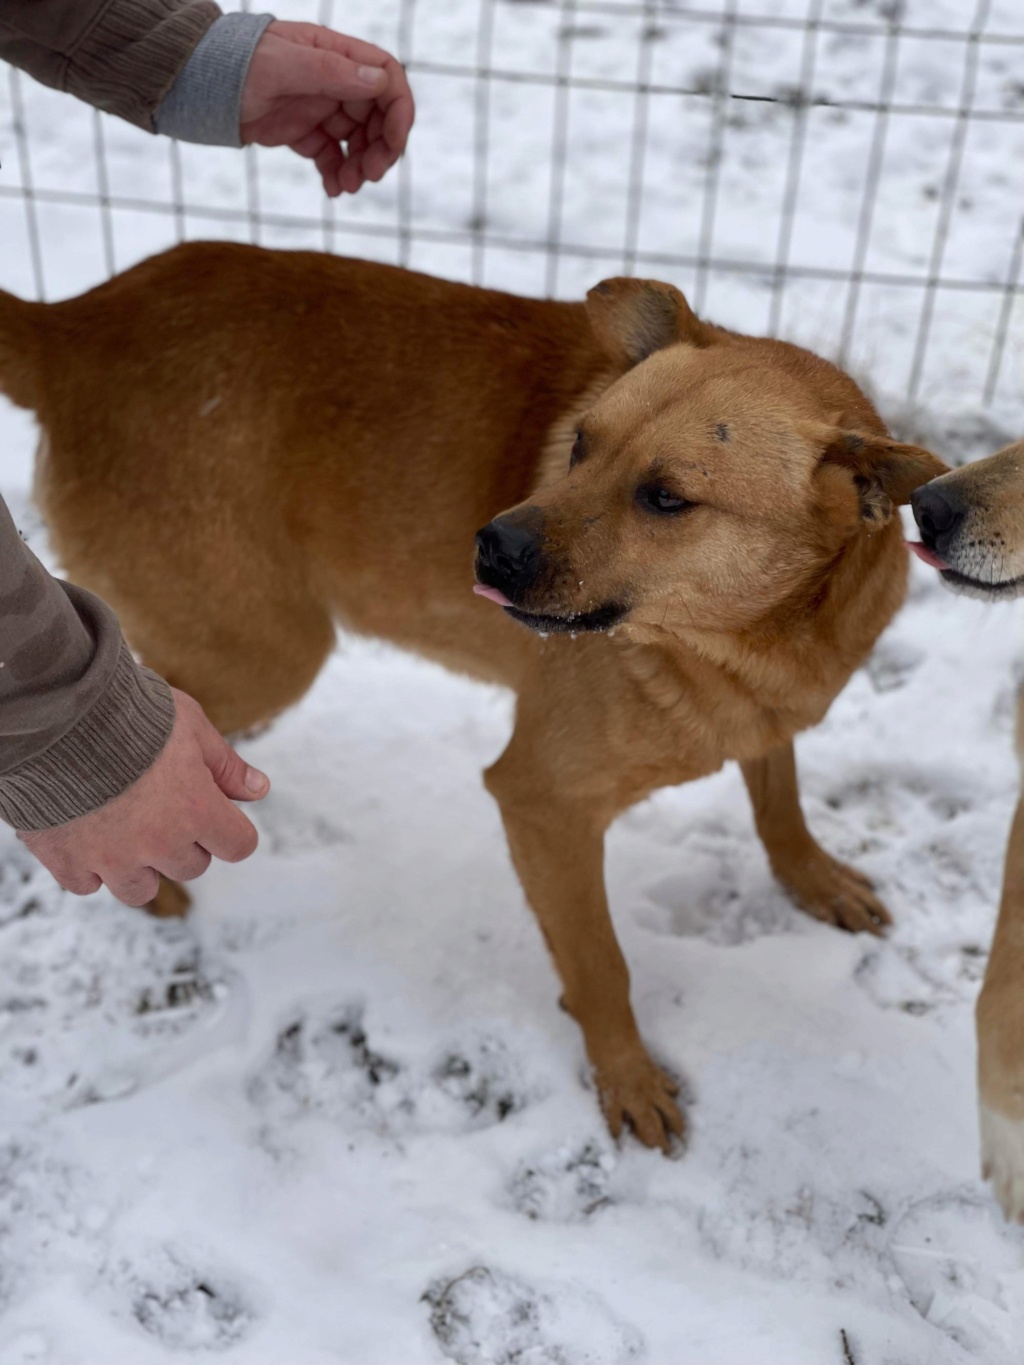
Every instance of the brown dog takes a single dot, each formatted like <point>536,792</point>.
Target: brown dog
<point>244,448</point>
<point>972,528</point>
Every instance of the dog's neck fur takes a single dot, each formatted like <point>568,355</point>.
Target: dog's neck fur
<point>792,652</point>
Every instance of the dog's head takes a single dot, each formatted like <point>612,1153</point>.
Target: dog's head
<point>972,526</point>
<point>714,479</point>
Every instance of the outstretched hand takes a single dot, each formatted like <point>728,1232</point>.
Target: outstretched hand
<point>341,102</point>
<point>173,820</point>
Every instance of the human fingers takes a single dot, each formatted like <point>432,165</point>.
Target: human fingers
<point>300,70</point>
<point>328,39</point>
<point>224,831</point>
<point>312,144</point>
<point>78,881</point>
<point>329,162</point>
<point>396,99</point>
<point>235,778</point>
<point>399,118</point>
<point>351,177</point>
<point>395,103</point>
<point>340,125</point>
<point>358,110</point>
<point>185,865</point>
<point>377,161</point>
<point>288,121</point>
<point>378,157</point>
<point>67,870</point>
<point>132,884</point>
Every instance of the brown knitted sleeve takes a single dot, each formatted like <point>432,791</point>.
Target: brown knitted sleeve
<point>80,721</point>
<point>119,55</point>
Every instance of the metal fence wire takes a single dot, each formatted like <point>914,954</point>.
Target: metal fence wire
<point>845,173</point>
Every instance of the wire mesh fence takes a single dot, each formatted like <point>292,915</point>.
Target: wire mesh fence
<point>841,172</point>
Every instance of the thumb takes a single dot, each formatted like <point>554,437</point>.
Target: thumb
<point>236,778</point>
<point>314,71</point>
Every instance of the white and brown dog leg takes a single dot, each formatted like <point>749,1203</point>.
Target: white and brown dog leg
<point>1000,1019</point>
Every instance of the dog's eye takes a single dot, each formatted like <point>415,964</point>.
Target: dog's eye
<point>653,498</point>
<point>577,450</point>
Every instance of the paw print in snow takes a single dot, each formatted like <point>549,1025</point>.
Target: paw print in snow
<point>489,1317</point>
<point>565,1185</point>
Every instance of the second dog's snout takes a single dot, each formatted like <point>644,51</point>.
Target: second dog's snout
<point>507,555</point>
<point>937,513</point>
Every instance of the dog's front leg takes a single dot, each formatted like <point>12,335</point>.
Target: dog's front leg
<point>557,846</point>
<point>1000,1019</point>
<point>824,887</point>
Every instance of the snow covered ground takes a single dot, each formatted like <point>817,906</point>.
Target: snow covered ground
<point>337,1116</point>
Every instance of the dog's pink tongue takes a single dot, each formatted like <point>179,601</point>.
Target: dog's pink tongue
<point>929,556</point>
<point>495,594</point>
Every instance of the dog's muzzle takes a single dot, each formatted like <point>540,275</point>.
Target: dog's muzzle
<point>511,560</point>
<point>970,561</point>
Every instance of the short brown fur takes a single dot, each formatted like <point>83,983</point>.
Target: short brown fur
<point>985,559</point>
<point>245,447</point>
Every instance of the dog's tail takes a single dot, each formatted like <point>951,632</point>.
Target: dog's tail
<point>21,328</point>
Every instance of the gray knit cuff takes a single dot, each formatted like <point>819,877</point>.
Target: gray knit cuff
<point>205,103</point>
<point>108,750</point>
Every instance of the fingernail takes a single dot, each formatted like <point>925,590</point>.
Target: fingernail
<point>369,75</point>
<point>256,782</point>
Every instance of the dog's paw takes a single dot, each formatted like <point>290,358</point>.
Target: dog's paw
<point>1002,1159</point>
<point>830,891</point>
<point>171,901</point>
<point>637,1094</point>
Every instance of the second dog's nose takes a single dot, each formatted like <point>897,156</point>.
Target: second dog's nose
<point>507,555</point>
<point>937,514</point>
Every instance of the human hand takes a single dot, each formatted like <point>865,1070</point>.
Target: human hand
<point>172,820</point>
<point>313,90</point>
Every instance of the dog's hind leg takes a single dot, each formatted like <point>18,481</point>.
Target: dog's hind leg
<point>1000,1020</point>
<point>820,885</point>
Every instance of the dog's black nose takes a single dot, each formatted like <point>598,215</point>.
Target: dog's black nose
<point>938,513</point>
<point>507,555</point>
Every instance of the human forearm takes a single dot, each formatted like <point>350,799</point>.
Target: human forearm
<point>79,720</point>
<point>119,55</point>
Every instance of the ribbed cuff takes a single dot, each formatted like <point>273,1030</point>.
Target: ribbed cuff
<point>134,52</point>
<point>110,748</point>
<point>205,103</point>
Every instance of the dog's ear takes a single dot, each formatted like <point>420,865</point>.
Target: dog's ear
<point>634,318</point>
<point>885,471</point>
